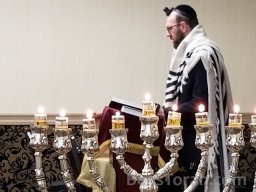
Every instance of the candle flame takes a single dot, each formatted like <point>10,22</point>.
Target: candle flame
<point>40,110</point>
<point>201,108</point>
<point>89,113</point>
<point>62,112</point>
<point>147,96</point>
<point>236,108</point>
<point>174,107</point>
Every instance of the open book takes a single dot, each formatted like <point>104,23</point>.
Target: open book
<point>128,107</point>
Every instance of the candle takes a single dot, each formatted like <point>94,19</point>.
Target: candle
<point>118,121</point>
<point>40,118</point>
<point>173,117</point>
<point>61,122</point>
<point>89,122</point>
<point>201,117</point>
<point>235,119</point>
<point>148,106</point>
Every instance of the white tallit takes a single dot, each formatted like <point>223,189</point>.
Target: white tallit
<point>198,46</point>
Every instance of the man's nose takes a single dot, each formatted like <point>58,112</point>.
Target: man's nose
<point>168,35</point>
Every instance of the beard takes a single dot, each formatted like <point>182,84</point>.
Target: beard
<point>176,42</point>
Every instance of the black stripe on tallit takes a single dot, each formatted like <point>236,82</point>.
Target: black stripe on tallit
<point>224,92</point>
<point>175,83</point>
<point>172,73</point>
<point>173,98</point>
<point>221,155</point>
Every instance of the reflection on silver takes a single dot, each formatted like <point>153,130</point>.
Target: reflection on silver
<point>173,142</point>
<point>235,142</point>
<point>90,146</point>
<point>203,142</point>
<point>39,142</point>
<point>149,133</point>
<point>62,145</point>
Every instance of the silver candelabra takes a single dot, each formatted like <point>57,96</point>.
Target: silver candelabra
<point>62,145</point>
<point>149,133</point>
<point>119,145</point>
<point>90,146</point>
<point>39,142</point>
<point>203,142</point>
<point>235,142</point>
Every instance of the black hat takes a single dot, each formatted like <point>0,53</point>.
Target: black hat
<point>184,10</point>
<point>168,11</point>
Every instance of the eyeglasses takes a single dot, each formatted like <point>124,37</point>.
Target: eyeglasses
<point>169,29</point>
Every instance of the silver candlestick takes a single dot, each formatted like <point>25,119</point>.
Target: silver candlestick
<point>253,144</point>
<point>173,143</point>
<point>90,146</point>
<point>62,145</point>
<point>203,142</point>
<point>149,133</point>
<point>39,142</point>
<point>119,145</point>
<point>235,142</point>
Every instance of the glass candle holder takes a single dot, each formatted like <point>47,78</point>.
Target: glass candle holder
<point>118,121</point>
<point>61,122</point>
<point>202,118</point>
<point>173,118</point>
<point>148,108</point>
<point>253,119</point>
<point>89,124</point>
<point>40,120</point>
<point>235,119</point>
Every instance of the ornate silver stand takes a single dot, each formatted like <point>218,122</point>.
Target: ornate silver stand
<point>39,141</point>
<point>253,143</point>
<point>235,142</point>
<point>62,145</point>
<point>203,142</point>
<point>149,133</point>
<point>173,142</point>
<point>90,146</point>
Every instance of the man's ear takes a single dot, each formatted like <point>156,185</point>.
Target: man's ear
<point>185,28</point>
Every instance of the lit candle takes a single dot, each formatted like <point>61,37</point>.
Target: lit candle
<point>40,118</point>
<point>89,122</point>
<point>253,118</point>
<point>235,119</point>
<point>173,117</point>
<point>118,121</point>
<point>61,122</point>
<point>148,106</point>
<point>201,117</point>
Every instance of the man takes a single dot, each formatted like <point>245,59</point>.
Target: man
<point>197,76</point>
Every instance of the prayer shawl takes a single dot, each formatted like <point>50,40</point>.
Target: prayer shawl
<point>196,46</point>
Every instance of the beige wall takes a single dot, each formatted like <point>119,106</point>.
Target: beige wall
<point>78,54</point>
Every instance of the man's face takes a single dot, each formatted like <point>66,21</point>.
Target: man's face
<point>173,30</point>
